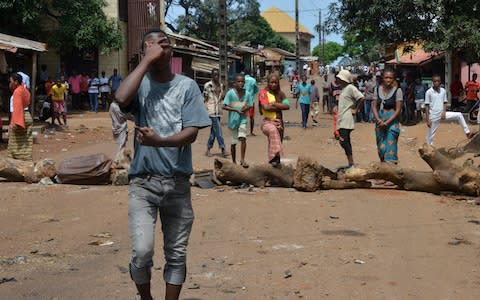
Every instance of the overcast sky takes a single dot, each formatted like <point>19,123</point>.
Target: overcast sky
<point>308,14</point>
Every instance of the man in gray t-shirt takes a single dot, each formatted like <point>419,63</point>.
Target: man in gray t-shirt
<point>168,111</point>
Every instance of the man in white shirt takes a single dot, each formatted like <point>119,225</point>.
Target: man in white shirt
<point>25,77</point>
<point>104,89</point>
<point>436,110</point>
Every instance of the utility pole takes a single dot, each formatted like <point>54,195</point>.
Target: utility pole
<point>162,15</point>
<point>297,39</point>
<point>323,44</point>
<point>222,41</point>
<point>320,30</point>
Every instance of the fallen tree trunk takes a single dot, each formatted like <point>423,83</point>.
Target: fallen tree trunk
<point>472,146</point>
<point>463,179</point>
<point>258,176</point>
<point>405,179</point>
<point>308,176</point>
<point>26,171</point>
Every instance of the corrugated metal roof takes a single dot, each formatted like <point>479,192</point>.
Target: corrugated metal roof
<point>9,42</point>
<point>281,22</point>
<point>417,57</point>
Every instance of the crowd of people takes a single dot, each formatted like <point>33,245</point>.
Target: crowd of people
<point>379,97</point>
<point>80,89</point>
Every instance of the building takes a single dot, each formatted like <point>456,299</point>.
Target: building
<point>284,25</point>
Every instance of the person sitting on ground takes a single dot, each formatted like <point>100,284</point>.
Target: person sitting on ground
<point>237,102</point>
<point>436,110</point>
<point>272,102</point>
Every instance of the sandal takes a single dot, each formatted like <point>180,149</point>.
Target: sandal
<point>225,154</point>
<point>208,153</point>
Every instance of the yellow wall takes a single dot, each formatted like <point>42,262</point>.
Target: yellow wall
<point>106,61</point>
<point>115,59</point>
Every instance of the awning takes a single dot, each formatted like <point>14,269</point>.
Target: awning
<point>418,57</point>
<point>12,43</point>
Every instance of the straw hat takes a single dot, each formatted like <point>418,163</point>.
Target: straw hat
<point>345,75</point>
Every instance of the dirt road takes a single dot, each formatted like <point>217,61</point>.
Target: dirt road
<point>271,243</point>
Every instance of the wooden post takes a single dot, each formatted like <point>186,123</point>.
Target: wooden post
<point>222,36</point>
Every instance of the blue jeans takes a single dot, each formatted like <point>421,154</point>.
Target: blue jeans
<point>151,196</point>
<point>215,132</point>
<point>93,97</point>
<point>305,111</point>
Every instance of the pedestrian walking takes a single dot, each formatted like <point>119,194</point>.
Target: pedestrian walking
<point>304,92</point>
<point>169,111</point>
<point>213,93</point>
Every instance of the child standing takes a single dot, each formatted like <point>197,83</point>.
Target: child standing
<point>237,102</point>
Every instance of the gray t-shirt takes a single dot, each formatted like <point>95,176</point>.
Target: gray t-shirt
<point>167,108</point>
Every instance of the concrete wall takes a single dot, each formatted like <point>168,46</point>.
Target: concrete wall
<point>304,42</point>
<point>106,61</point>
<point>52,60</point>
<point>114,59</point>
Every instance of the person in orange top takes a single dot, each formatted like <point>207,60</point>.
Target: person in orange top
<point>20,138</point>
<point>472,88</point>
<point>272,102</point>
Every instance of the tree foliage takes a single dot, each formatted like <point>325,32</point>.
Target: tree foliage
<point>79,24</point>
<point>332,50</point>
<point>244,23</point>
<point>442,24</point>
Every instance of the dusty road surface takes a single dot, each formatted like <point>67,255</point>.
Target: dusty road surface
<point>271,243</point>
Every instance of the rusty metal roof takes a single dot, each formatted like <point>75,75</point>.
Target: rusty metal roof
<point>11,43</point>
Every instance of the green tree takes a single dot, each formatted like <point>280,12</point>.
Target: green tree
<point>362,46</point>
<point>79,23</point>
<point>442,24</point>
<point>332,50</point>
<point>244,23</point>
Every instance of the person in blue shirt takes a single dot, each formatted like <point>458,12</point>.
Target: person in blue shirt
<point>115,81</point>
<point>169,111</point>
<point>304,91</point>
<point>237,102</point>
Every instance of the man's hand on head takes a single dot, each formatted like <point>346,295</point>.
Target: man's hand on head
<point>155,48</point>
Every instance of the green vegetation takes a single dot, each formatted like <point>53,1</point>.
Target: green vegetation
<point>64,24</point>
